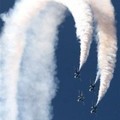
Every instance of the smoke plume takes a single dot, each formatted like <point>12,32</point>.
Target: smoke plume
<point>107,43</point>
<point>27,52</point>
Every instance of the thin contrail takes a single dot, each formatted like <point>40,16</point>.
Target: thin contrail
<point>97,77</point>
<point>82,14</point>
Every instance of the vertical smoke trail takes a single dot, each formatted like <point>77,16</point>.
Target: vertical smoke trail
<point>9,72</point>
<point>82,15</point>
<point>84,30</point>
<point>11,49</point>
<point>97,77</point>
<point>107,44</point>
<point>27,47</point>
<point>12,45</point>
<point>37,86</point>
<point>12,42</point>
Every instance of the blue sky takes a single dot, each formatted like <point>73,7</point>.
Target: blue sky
<point>65,106</point>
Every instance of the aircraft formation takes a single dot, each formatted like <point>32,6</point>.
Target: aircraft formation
<point>81,97</point>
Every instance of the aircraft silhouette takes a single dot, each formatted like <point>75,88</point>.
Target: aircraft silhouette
<point>77,74</point>
<point>93,109</point>
<point>91,87</point>
<point>81,97</point>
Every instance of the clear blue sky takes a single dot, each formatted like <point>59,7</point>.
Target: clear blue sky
<point>65,106</point>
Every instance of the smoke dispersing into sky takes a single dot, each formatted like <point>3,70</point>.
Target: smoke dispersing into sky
<point>36,25</point>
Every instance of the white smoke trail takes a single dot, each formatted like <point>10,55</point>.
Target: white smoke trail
<point>12,44</point>
<point>41,38</point>
<point>107,44</point>
<point>84,30</point>
<point>37,86</point>
<point>97,77</point>
<point>83,21</point>
<point>16,24</point>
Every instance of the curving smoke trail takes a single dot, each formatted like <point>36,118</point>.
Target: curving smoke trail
<point>27,53</point>
<point>97,77</point>
<point>37,85</point>
<point>83,23</point>
<point>106,32</point>
<point>18,82</point>
<point>20,87</point>
<point>107,43</point>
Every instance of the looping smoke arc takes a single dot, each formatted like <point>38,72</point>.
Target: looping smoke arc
<point>27,52</point>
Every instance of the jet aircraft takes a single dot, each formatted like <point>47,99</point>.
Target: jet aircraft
<point>77,74</point>
<point>80,97</point>
<point>92,87</point>
<point>93,109</point>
